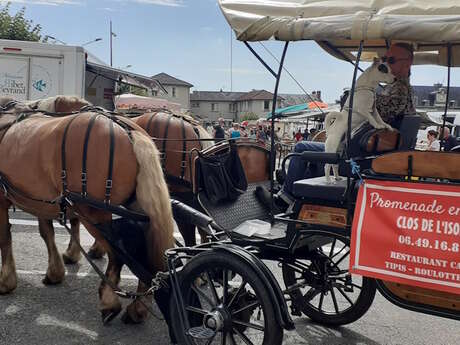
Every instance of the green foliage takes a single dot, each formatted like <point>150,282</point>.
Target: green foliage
<point>249,116</point>
<point>123,88</point>
<point>17,27</point>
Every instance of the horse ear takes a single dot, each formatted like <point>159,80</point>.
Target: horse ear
<point>64,104</point>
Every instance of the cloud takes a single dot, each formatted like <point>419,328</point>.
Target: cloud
<point>207,29</point>
<point>172,3</point>
<point>45,2</point>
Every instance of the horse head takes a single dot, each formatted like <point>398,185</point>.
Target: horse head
<point>59,104</point>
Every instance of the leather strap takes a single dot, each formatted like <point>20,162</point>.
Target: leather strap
<point>184,148</point>
<point>108,182</point>
<point>84,179</point>
<point>165,136</point>
<point>63,155</point>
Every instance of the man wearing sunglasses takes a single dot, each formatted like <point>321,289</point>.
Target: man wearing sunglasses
<point>392,102</point>
<point>395,100</point>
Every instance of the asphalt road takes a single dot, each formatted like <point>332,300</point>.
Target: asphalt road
<point>35,314</point>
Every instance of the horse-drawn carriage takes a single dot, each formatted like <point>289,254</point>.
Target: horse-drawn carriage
<point>222,291</point>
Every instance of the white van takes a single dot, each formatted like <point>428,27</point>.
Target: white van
<point>32,70</point>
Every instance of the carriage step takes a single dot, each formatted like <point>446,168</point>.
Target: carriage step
<point>201,333</point>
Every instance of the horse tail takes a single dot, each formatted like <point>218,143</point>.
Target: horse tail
<point>153,197</point>
<point>203,134</point>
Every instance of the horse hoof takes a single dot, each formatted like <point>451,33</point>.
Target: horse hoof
<point>48,281</point>
<point>109,315</point>
<point>128,320</point>
<point>95,254</point>
<point>68,260</point>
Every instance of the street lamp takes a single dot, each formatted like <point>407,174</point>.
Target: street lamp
<point>112,34</point>
<point>95,40</point>
<point>55,39</point>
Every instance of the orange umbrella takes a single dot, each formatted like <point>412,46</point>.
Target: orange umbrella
<point>317,104</point>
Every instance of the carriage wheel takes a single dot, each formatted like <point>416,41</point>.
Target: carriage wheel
<point>323,289</point>
<point>224,294</point>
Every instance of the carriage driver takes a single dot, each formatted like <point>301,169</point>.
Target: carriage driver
<point>393,102</point>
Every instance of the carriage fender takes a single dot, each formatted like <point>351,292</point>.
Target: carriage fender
<point>276,295</point>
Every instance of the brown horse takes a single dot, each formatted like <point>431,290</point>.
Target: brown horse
<point>31,147</point>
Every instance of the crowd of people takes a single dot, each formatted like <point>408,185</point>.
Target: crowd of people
<point>260,131</point>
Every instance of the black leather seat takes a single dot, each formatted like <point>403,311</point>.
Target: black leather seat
<point>319,188</point>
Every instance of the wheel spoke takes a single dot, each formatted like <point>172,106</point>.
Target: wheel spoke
<point>235,296</point>
<point>243,336</point>
<point>250,305</point>
<point>344,295</point>
<point>249,325</point>
<point>332,247</point>
<point>334,300</point>
<point>224,286</point>
<point>213,288</point>
<point>312,293</point>
<point>352,284</point>
<point>203,295</point>
<point>341,249</point>
<point>336,264</point>
<point>321,298</point>
<point>196,310</point>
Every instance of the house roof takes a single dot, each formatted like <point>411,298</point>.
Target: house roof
<point>166,79</point>
<point>423,92</point>
<point>215,96</point>
<point>257,95</point>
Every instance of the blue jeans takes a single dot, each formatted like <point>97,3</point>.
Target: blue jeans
<point>300,169</point>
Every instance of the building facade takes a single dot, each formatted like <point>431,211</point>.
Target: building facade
<point>232,106</point>
<point>178,90</point>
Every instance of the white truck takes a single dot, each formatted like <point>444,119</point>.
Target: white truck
<point>31,70</point>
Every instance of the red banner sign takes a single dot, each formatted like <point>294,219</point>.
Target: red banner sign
<point>408,233</point>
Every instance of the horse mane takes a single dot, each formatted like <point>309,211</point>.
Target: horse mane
<point>59,104</point>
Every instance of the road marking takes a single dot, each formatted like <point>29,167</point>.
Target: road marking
<point>29,222</point>
<point>79,274</point>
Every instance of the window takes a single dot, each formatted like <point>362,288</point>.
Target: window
<point>214,106</point>
<point>230,107</point>
<point>174,92</point>
<point>154,93</point>
<point>266,105</point>
<point>195,105</point>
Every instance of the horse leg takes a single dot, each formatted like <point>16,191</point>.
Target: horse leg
<point>72,254</point>
<point>187,231</point>
<point>8,278</point>
<point>55,272</point>
<point>109,304</point>
<point>137,311</point>
<point>96,251</point>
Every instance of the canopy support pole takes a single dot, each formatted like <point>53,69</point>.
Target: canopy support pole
<point>272,132</point>
<point>261,60</point>
<point>350,114</point>
<point>444,117</point>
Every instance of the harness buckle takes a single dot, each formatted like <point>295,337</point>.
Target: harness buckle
<point>162,156</point>
<point>63,174</point>
<point>108,184</point>
<point>83,177</point>
<point>183,164</point>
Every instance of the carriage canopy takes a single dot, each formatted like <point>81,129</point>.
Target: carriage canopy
<point>339,26</point>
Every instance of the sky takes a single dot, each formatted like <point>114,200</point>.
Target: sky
<point>191,40</point>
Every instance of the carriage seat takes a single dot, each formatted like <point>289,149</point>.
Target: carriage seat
<point>367,141</point>
<point>319,188</point>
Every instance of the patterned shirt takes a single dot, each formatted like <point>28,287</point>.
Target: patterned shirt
<point>395,100</point>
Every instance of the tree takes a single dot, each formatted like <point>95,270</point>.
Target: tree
<point>249,116</point>
<point>17,27</point>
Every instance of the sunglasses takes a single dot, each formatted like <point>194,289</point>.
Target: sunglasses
<point>391,59</point>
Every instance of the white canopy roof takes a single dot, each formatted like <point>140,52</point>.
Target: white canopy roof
<point>429,24</point>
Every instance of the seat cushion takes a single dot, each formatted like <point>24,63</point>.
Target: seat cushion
<point>319,188</point>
